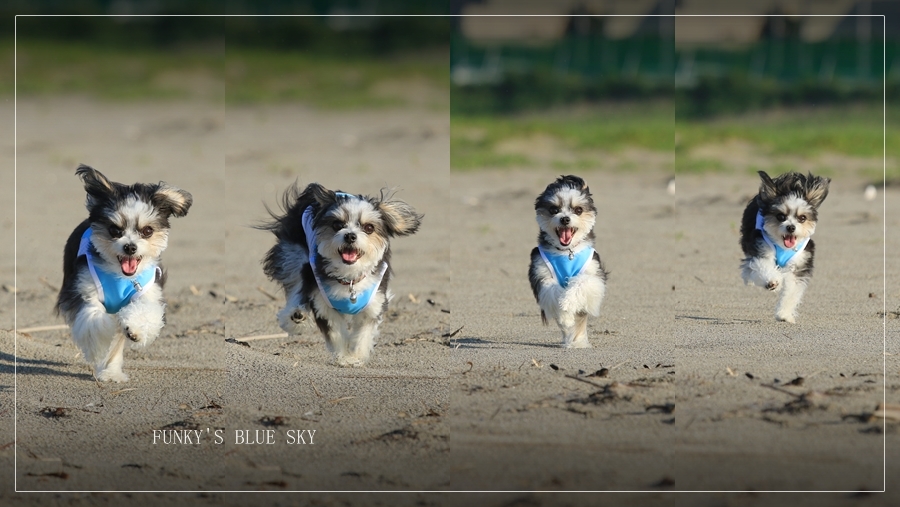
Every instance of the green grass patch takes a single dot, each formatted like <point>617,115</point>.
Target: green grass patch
<point>475,140</point>
<point>699,165</point>
<point>242,76</point>
<point>855,131</point>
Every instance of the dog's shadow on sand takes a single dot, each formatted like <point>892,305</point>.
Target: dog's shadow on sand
<point>480,343</point>
<point>471,343</point>
<point>717,320</point>
<point>537,344</point>
<point>36,367</point>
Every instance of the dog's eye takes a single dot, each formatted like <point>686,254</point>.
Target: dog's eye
<point>554,210</point>
<point>146,231</point>
<point>337,226</point>
<point>802,218</point>
<point>369,228</point>
<point>780,217</point>
<point>115,232</point>
<point>578,210</point>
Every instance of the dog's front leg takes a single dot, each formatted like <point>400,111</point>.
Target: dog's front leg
<point>143,318</point>
<point>574,331</point>
<point>791,294</point>
<point>584,295</point>
<point>360,342</point>
<point>763,272</point>
<point>549,296</point>
<point>94,332</point>
<point>293,314</point>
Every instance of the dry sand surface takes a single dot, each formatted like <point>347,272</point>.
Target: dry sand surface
<point>495,406</point>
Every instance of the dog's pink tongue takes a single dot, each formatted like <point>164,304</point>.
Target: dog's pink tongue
<point>565,236</point>
<point>790,241</point>
<point>129,265</point>
<point>350,255</point>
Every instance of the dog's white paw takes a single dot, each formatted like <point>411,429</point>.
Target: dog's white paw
<point>132,335</point>
<point>291,319</point>
<point>350,361</point>
<point>773,285</point>
<point>578,344</point>
<point>108,375</point>
<point>790,319</point>
<point>141,336</point>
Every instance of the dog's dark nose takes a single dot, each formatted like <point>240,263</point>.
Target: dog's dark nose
<point>130,248</point>
<point>790,228</point>
<point>565,220</point>
<point>350,237</point>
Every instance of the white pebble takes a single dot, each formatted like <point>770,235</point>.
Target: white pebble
<point>870,193</point>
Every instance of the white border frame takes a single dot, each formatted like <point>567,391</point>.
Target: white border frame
<point>657,491</point>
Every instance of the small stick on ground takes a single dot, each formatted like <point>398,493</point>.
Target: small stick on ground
<point>342,398</point>
<point>314,389</point>
<point>454,333</point>
<point>262,337</point>
<point>573,377</point>
<point>42,328</point>
<point>264,291</point>
<point>50,286</point>
<point>889,411</point>
<point>780,390</point>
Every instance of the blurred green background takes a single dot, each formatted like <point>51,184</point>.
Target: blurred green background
<point>776,90</point>
<point>567,92</point>
<point>563,91</point>
<point>343,61</point>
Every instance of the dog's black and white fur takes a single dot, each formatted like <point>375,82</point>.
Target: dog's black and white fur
<point>566,215</point>
<point>351,234</point>
<point>788,207</point>
<point>129,231</point>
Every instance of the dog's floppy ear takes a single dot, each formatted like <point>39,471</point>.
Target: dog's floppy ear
<point>573,181</point>
<point>320,194</point>
<point>171,200</point>
<point>400,219</point>
<point>767,188</point>
<point>96,185</point>
<point>816,189</point>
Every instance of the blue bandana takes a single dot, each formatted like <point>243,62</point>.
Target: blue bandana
<point>348,305</point>
<point>563,268</point>
<point>114,289</point>
<point>782,255</point>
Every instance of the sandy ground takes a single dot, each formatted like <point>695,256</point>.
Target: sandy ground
<point>381,427</point>
<point>500,408</point>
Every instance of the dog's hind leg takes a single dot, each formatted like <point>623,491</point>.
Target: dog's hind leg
<point>791,294</point>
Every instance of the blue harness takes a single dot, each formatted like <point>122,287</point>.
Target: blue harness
<point>563,268</point>
<point>782,255</point>
<point>116,291</point>
<point>357,301</point>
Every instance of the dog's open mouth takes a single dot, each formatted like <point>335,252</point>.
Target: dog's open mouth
<point>790,241</point>
<point>565,235</point>
<point>350,255</point>
<point>129,264</point>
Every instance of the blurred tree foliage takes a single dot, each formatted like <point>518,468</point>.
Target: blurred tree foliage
<point>261,25</point>
<point>736,93</point>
